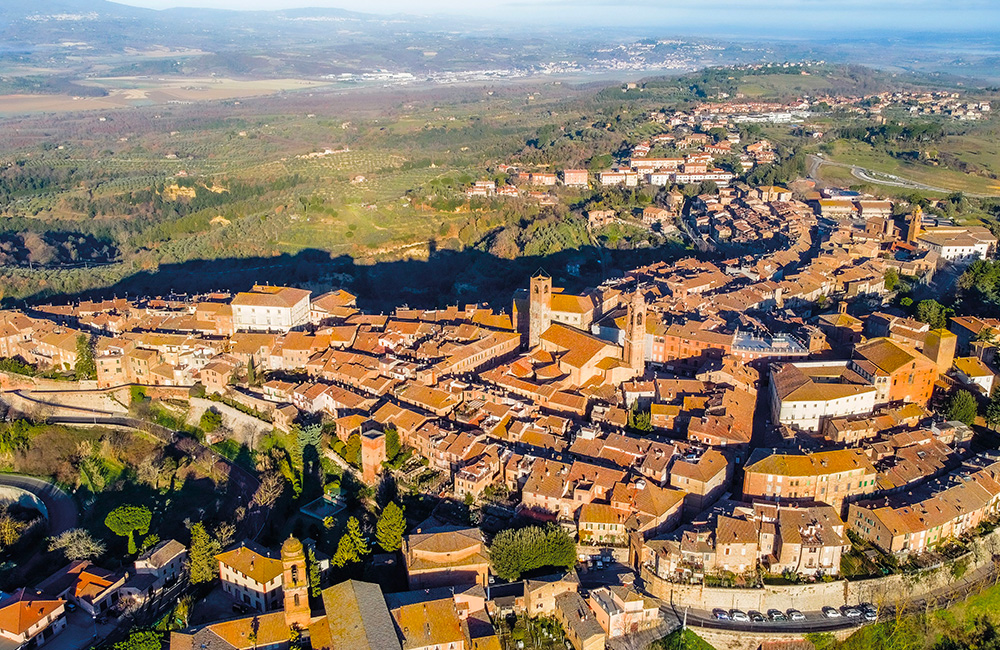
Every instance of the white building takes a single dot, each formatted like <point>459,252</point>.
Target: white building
<point>156,569</point>
<point>973,372</point>
<point>959,245</point>
<point>270,309</point>
<point>804,395</point>
<point>29,619</point>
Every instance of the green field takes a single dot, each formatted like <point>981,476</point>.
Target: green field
<point>864,155</point>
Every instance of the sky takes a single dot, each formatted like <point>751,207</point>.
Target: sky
<point>805,15</point>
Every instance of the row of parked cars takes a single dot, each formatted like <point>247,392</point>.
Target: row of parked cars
<point>864,611</point>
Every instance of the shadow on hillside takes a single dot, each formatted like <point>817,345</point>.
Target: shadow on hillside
<point>447,277</point>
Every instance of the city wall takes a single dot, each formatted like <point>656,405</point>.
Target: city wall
<point>889,590</point>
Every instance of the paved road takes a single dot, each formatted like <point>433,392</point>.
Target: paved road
<point>63,513</point>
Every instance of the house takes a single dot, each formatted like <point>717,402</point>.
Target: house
<point>830,477</point>
<point>30,619</point>
<point>430,625</point>
<point>540,593</point>
<point>579,622</point>
<point>93,589</point>
<point>445,556</point>
<point>972,372</point>
<point>270,309</point>
<point>704,479</point>
<point>621,610</point>
<point>156,569</point>
<point>575,177</point>
<point>251,577</point>
<point>898,371</point>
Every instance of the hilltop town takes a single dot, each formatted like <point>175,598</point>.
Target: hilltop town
<point>770,418</point>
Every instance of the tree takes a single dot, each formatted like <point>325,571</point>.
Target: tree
<point>993,408</point>
<point>639,420</point>
<point>315,586</point>
<point>390,528</point>
<point>141,640</point>
<point>252,372</point>
<point>352,454</point>
<point>392,444</point>
<point>933,313</point>
<point>515,552</point>
<point>201,556</point>
<point>352,546</point>
<point>77,544</point>
<point>962,407</point>
<point>891,279</point>
<point>127,520</point>
<point>210,420</point>
<point>86,367</point>
<point>272,485</point>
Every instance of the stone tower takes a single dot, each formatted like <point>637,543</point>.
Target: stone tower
<point>295,584</point>
<point>914,230</point>
<point>635,333</point>
<point>539,306</point>
<point>939,347</point>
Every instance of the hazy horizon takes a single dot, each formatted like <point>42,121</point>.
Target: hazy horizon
<point>718,16</point>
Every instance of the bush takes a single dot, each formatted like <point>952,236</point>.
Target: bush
<point>210,420</point>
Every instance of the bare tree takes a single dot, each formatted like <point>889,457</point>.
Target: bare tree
<point>272,485</point>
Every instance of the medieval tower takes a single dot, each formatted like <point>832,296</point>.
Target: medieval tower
<point>635,333</point>
<point>295,584</point>
<point>914,230</point>
<point>539,306</point>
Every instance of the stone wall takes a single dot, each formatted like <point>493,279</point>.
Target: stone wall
<point>243,428</point>
<point>811,597</point>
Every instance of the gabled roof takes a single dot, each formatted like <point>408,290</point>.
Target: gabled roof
<point>356,619</point>
<point>24,608</point>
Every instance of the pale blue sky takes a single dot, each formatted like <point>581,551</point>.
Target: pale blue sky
<point>809,15</point>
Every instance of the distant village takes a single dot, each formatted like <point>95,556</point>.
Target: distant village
<point>692,423</point>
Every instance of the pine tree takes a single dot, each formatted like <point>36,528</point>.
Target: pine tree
<point>962,407</point>
<point>390,528</point>
<point>127,521</point>
<point>352,546</point>
<point>993,408</point>
<point>202,554</point>
<point>314,575</point>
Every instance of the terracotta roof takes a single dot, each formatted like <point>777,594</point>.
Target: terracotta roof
<point>23,609</point>
<point>430,623</point>
<point>251,563</point>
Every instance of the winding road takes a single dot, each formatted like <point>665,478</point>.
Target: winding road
<point>877,177</point>
<point>62,511</point>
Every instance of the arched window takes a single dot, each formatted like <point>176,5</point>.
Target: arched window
<point>295,574</point>
<point>296,600</point>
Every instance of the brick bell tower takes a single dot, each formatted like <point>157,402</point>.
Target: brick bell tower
<point>635,333</point>
<point>539,306</point>
<point>295,584</point>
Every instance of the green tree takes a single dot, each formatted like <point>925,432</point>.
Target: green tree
<point>86,367</point>
<point>962,407</point>
<point>210,420</point>
<point>639,420</point>
<point>127,520</point>
<point>141,640</point>
<point>203,565</point>
<point>515,552</point>
<point>933,313</point>
<point>252,372</point>
<point>352,453</point>
<point>993,408</point>
<point>891,279</point>
<point>352,547</point>
<point>392,444</point>
<point>390,527</point>
<point>315,586</point>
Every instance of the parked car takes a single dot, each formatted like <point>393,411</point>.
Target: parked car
<point>796,615</point>
<point>831,612</point>
<point>720,614</point>
<point>868,612</point>
<point>70,607</point>
<point>776,615</point>
<point>739,615</point>
<point>850,612</point>
<point>240,608</point>
<point>755,616</point>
